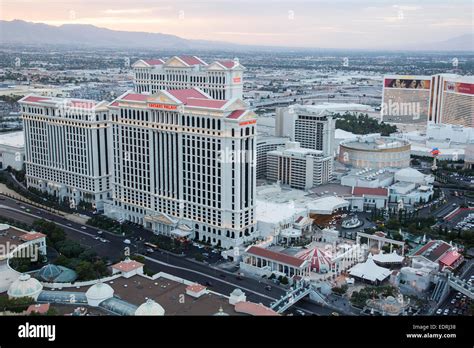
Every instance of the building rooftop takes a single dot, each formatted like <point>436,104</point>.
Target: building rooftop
<point>375,143</point>
<point>71,103</point>
<point>433,250</point>
<point>369,191</point>
<point>127,265</point>
<point>137,289</point>
<point>14,139</point>
<point>275,256</point>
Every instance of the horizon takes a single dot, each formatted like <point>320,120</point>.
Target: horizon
<point>340,24</point>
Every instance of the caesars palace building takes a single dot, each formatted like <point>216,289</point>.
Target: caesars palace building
<point>170,157</point>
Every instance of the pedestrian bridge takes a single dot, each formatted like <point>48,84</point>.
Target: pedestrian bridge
<point>293,295</point>
<point>461,285</point>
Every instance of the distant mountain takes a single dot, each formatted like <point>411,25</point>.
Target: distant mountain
<point>21,32</point>
<point>86,35</point>
<point>459,43</point>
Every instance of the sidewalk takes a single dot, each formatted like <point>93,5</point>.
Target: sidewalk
<point>9,192</point>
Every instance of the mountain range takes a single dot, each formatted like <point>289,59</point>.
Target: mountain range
<point>86,35</point>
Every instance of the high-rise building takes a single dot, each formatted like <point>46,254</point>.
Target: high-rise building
<point>66,148</point>
<point>221,79</point>
<point>442,99</point>
<point>452,100</point>
<point>405,98</point>
<point>310,125</point>
<point>299,167</point>
<point>184,165</point>
<point>266,144</point>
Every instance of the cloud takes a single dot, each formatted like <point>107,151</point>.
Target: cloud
<point>135,10</point>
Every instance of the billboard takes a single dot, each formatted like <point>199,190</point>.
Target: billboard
<point>459,87</point>
<point>411,83</point>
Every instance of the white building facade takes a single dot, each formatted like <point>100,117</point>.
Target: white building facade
<point>264,146</point>
<point>312,126</point>
<point>184,165</point>
<point>298,167</point>
<point>222,79</point>
<point>12,150</point>
<point>66,148</point>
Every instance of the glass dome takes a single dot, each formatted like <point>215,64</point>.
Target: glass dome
<point>150,307</point>
<point>25,286</point>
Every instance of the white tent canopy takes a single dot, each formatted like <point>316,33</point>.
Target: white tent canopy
<point>388,258</point>
<point>369,271</point>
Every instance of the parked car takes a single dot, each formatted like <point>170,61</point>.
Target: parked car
<point>84,227</point>
<point>439,311</point>
<point>127,241</point>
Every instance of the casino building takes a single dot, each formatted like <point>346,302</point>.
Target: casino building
<point>375,152</point>
<point>405,99</point>
<point>66,148</point>
<point>184,165</point>
<point>442,99</point>
<point>221,79</point>
<point>452,100</point>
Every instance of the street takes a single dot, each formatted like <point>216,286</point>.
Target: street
<point>219,280</point>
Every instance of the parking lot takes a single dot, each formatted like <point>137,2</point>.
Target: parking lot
<point>457,303</point>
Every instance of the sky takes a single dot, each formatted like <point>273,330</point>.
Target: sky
<point>290,23</point>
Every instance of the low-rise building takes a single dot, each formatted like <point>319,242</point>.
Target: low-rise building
<point>260,261</point>
<point>367,198</point>
<point>436,254</point>
<point>12,150</point>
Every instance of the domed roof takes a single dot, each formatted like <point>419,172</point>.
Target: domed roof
<point>49,272</point>
<point>221,312</point>
<point>237,292</point>
<point>391,299</point>
<point>57,274</point>
<point>99,292</point>
<point>25,286</point>
<point>150,307</point>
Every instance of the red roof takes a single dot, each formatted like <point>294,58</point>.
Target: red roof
<point>253,309</point>
<point>195,287</point>
<point>192,60</point>
<point>450,257</point>
<point>135,97</point>
<point>153,61</point>
<point>439,249</point>
<point>38,308</point>
<point>279,257</point>
<point>32,236</point>
<point>205,103</point>
<point>229,64</point>
<point>236,114</point>
<point>33,99</point>
<point>361,191</point>
<point>183,94</point>
<point>127,265</point>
